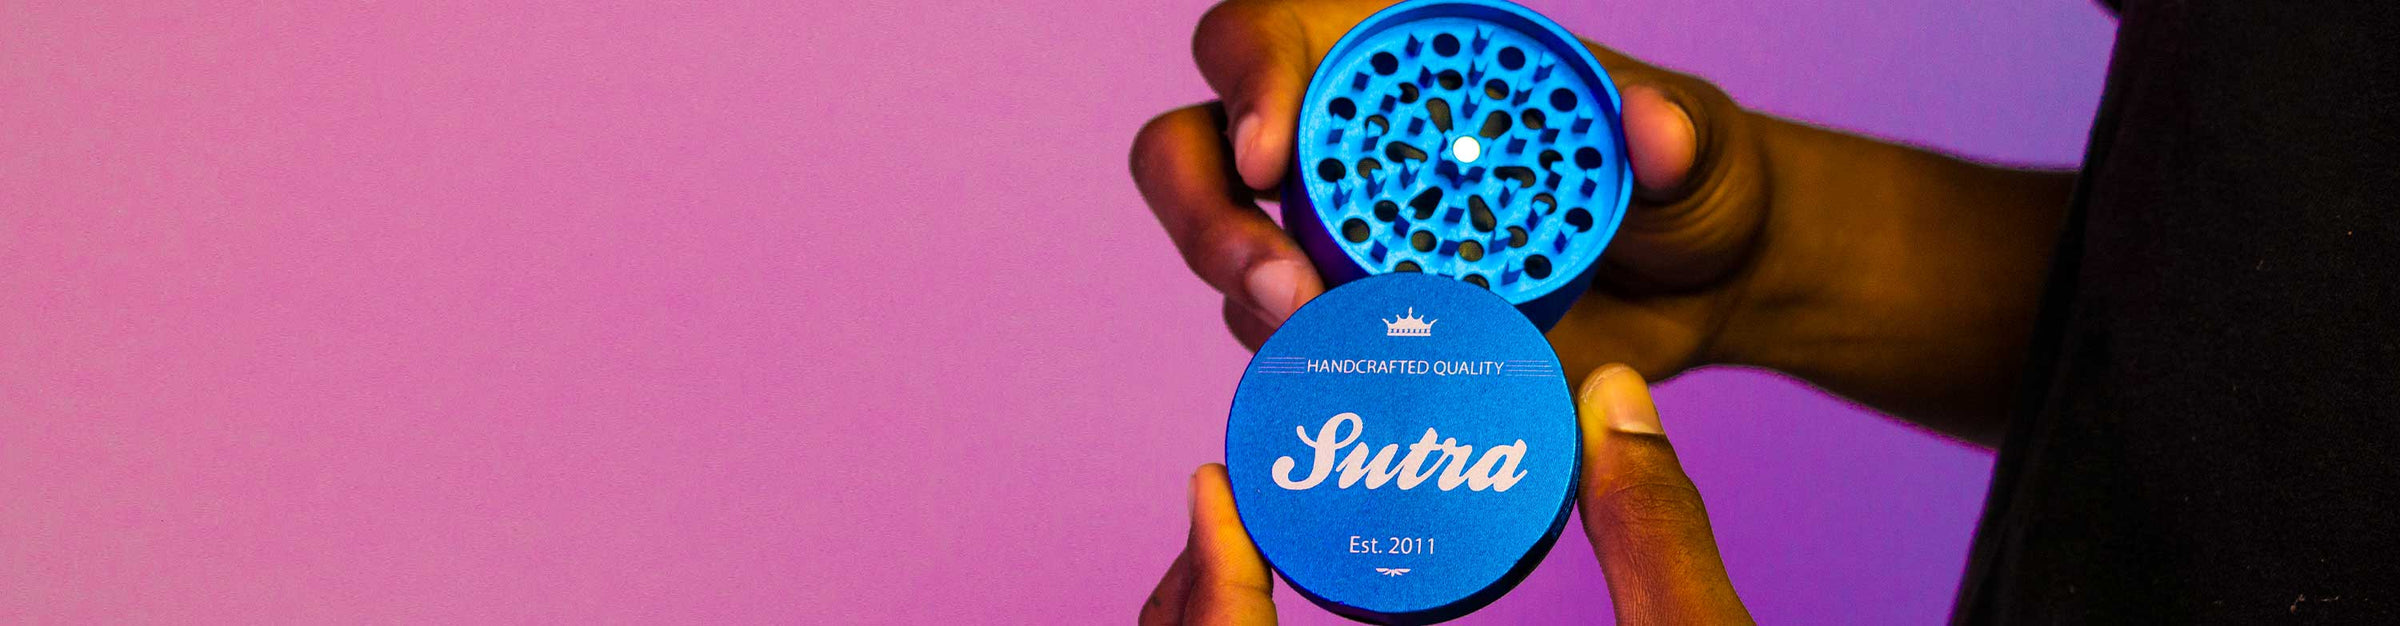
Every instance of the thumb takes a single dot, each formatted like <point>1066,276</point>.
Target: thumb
<point>1219,580</point>
<point>1643,516</point>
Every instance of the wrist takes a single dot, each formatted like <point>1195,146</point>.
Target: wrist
<point>1902,278</point>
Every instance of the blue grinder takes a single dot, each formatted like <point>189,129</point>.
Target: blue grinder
<point>1470,139</point>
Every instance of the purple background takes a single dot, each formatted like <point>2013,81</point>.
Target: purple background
<point>441,312</point>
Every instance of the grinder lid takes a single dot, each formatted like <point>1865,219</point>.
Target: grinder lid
<point>1404,449</point>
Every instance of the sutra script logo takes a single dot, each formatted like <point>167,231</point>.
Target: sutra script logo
<point>1496,470</point>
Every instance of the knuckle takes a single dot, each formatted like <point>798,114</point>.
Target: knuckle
<point>1700,89</point>
<point>1710,107</point>
<point>1224,19</point>
<point>1219,249</point>
<point>1150,142</point>
<point>1656,504</point>
<point>1146,142</point>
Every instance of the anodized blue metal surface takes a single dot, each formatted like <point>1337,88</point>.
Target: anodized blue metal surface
<point>1403,449</point>
<point>1472,139</point>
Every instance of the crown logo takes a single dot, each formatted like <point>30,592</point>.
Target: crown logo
<point>1408,326</point>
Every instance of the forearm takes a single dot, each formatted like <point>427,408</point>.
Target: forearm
<point>1897,277</point>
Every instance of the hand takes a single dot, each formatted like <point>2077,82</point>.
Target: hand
<point>1644,518</point>
<point>1668,277</point>
<point>1903,279</point>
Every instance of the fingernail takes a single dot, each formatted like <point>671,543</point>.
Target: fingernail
<point>1245,140</point>
<point>1662,155</point>
<point>1191,495</point>
<point>1274,288</point>
<point>1191,509</point>
<point>1620,397</point>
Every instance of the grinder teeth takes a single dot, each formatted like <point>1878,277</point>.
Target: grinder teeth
<point>1466,139</point>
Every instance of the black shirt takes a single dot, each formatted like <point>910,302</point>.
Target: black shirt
<point>2211,418</point>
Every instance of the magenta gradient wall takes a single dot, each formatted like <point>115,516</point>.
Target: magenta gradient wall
<point>774,312</point>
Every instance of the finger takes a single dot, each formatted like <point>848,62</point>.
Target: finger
<point>1179,164</point>
<point>1248,327</point>
<point>1165,605</point>
<point>1665,113</point>
<point>1696,212</point>
<point>1645,520</point>
<point>1699,182</point>
<point>1229,579</point>
<point>1258,55</point>
<point>1253,54</point>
